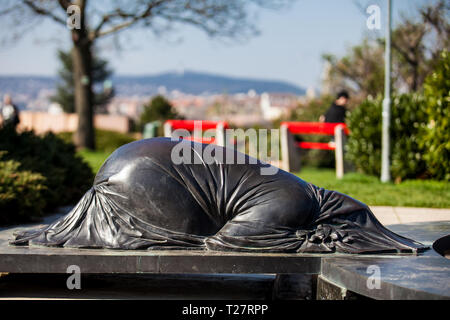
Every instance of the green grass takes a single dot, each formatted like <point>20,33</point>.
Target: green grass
<point>95,159</point>
<point>368,189</point>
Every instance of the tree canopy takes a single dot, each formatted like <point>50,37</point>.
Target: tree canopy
<point>158,109</point>
<point>416,46</point>
<point>220,18</point>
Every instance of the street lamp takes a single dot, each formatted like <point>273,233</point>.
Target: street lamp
<point>386,114</point>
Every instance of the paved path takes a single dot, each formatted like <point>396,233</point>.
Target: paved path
<point>398,215</point>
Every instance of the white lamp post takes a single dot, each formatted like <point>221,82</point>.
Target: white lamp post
<point>386,114</point>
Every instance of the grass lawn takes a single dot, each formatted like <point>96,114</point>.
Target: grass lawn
<point>368,189</point>
<point>95,159</point>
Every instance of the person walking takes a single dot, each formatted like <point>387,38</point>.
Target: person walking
<point>9,112</point>
<point>336,112</point>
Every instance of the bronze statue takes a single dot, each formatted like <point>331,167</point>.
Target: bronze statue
<point>141,199</point>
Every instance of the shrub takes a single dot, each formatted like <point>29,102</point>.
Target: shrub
<point>20,192</point>
<point>67,176</point>
<point>158,109</point>
<point>436,134</point>
<point>105,140</point>
<point>407,120</point>
<point>363,147</point>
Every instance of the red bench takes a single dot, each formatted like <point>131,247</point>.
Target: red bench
<point>291,158</point>
<point>197,127</point>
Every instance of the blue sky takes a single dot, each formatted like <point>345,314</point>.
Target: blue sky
<point>289,47</point>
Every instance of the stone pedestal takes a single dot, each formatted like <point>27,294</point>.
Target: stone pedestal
<point>294,287</point>
<point>327,290</point>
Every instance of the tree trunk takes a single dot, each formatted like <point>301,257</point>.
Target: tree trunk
<point>82,62</point>
<point>415,81</point>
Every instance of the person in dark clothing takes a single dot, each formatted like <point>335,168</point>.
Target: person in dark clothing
<point>9,112</point>
<point>336,113</point>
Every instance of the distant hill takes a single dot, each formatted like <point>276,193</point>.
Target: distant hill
<point>188,82</point>
<point>202,83</point>
<point>26,85</point>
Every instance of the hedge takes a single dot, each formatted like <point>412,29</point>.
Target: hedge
<point>408,122</point>
<point>420,131</point>
<point>436,134</point>
<point>21,192</point>
<point>66,177</point>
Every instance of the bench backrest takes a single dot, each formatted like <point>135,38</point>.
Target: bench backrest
<point>198,125</point>
<point>320,128</point>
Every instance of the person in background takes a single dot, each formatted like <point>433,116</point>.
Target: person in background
<point>336,113</point>
<point>9,112</point>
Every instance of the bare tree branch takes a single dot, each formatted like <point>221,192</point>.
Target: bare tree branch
<point>10,9</point>
<point>42,11</point>
<point>65,4</point>
<point>133,18</point>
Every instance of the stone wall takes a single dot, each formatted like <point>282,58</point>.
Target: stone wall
<point>42,122</point>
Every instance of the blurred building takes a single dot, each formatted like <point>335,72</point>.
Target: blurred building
<point>190,106</point>
<point>276,105</point>
<point>131,107</point>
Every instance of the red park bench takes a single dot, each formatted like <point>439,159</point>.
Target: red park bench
<point>290,148</point>
<point>196,128</point>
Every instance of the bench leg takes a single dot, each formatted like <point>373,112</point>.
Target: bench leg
<point>289,151</point>
<point>167,130</point>
<point>339,140</point>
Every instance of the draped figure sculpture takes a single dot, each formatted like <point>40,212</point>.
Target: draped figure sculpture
<point>141,199</point>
